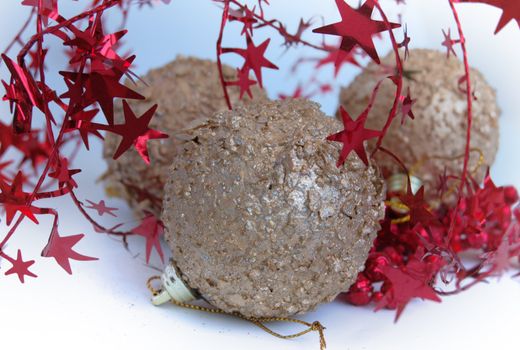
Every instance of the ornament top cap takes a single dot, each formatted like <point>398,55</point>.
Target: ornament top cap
<point>173,288</point>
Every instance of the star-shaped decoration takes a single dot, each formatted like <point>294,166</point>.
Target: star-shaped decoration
<point>152,230</point>
<point>510,11</point>
<point>449,43</point>
<point>405,43</point>
<point>404,288</point>
<point>135,132</point>
<point>101,208</point>
<point>243,82</point>
<point>63,174</point>
<point>247,18</point>
<point>418,208</point>
<point>98,86</point>
<point>82,121</point>
<point>60,248</point>
<point>357,28</point>
<point>254,58</point>
<point>338,57</point>
<point>353,136</point>
<point>406,107</point>
<point>14,199</point>
<point>20,267</point>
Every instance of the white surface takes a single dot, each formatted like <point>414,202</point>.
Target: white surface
<point>105,304</point>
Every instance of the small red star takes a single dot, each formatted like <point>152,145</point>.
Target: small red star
<point>82,121</point>
<point>151,229</point>
<point>135,132</point>
<point>247,18</point>
<point>101,208</point>
<point>63,174</point>
<point>339,58</point>
<point>419,212</point>
<point>60,248</point>
<point>243,82</point>
<point>404,288</point>
<point>356,28</point>
<point>20,267</point>
<point>406,107</point>
<point>254,58</point>
<point>353,136</point>
<point>449,43</point>
<point>14,199</point>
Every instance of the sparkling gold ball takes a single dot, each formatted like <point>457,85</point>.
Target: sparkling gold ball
<point>436,139</point>
<point>259,218</point>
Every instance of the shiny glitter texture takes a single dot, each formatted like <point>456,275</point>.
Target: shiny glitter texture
<point>439,107</point>
<point>187,91</point>
<point>259,218</point>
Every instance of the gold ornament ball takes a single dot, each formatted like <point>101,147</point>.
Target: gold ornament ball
<point>436,139</point>
<point>259,218</point>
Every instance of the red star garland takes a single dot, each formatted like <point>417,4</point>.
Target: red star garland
<point>152,230</point>
<point>20,267</point>
<point>510,11</point>
<point>357,28</point>
<point>353,137</point>
<point>60,248</point>
<point>135,132</point>
<point>101,208</point>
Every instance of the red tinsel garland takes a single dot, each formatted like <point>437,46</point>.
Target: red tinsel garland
<point>408,257</point>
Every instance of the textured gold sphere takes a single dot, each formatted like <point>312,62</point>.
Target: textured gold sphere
<point>436,139</point>
<point>259,218</point>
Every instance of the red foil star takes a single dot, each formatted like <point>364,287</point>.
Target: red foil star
<point>20,267</point>
<point>357,28</point>
<point>101,208</point>
<point>60,248</point>
<point>135,132</point>
<point>152,230</point>
<point>353,137</point>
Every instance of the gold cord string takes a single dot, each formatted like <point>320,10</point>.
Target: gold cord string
<point>259,322</point>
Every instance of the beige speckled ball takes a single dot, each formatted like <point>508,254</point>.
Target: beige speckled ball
<point>439,128</point>
<point>259,218</point>
<point>187,90</point>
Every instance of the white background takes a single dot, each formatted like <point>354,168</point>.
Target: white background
<point>105,304</point>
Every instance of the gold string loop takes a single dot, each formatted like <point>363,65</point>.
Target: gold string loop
<point>316,326</point>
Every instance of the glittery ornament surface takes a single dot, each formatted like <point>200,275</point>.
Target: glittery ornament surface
<point>187,91</point>
<point>438,108</point>
<point>259,218</point>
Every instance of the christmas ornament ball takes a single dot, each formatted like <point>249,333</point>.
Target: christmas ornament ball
<point>436,139</point>
<point>259,218</point>
<point>187,91</point>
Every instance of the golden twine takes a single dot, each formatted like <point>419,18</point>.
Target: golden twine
<point>259,322</point>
